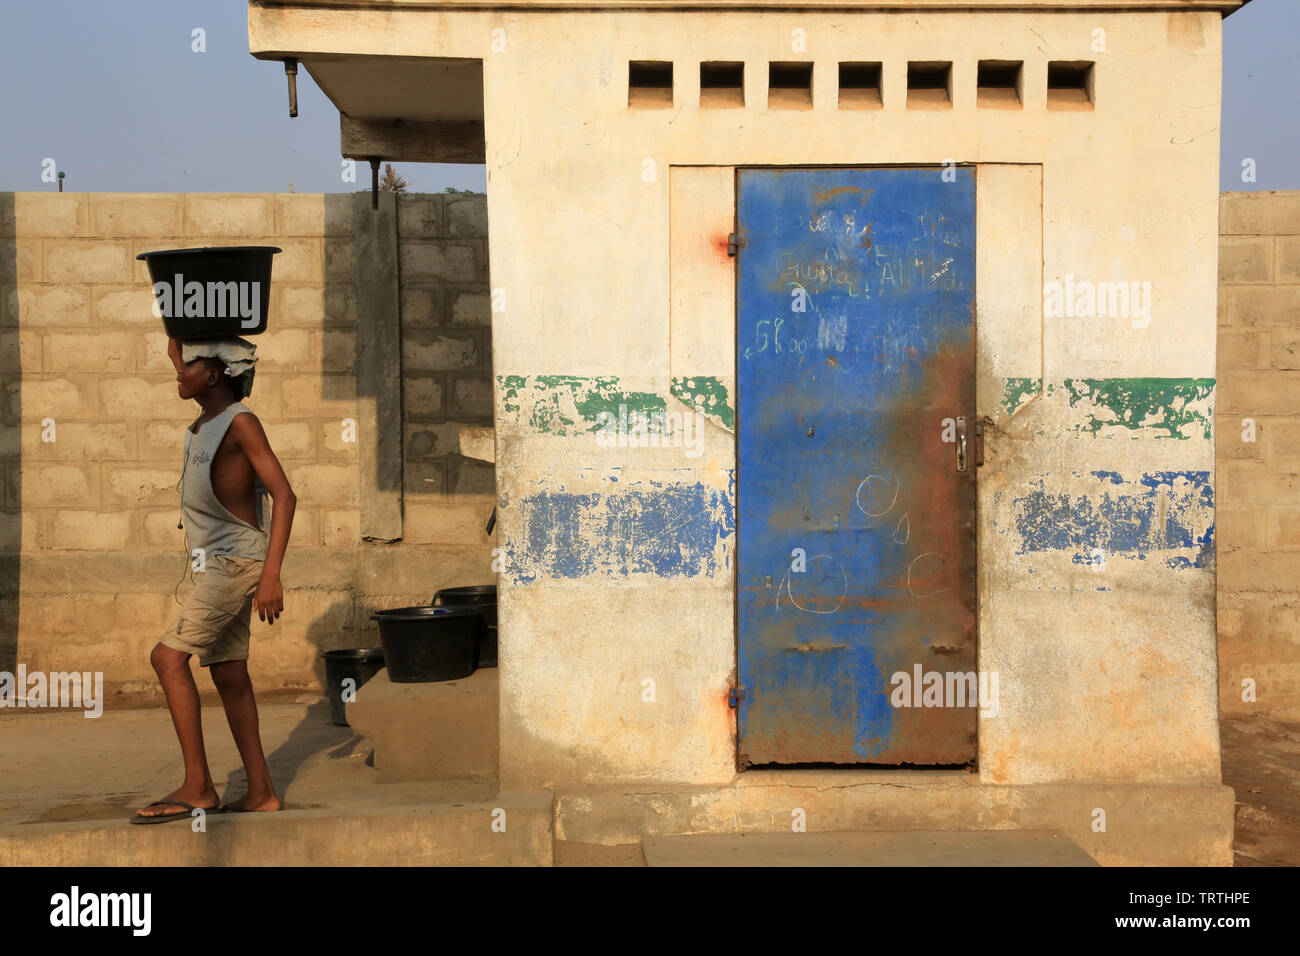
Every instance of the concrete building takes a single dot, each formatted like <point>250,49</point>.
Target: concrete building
<point>939,280</point>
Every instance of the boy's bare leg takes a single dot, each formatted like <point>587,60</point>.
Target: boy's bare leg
<point>231,678</point>
<point>173,669</point>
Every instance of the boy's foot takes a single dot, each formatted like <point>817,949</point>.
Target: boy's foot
<point>203,799</point>
<point>251,803</point>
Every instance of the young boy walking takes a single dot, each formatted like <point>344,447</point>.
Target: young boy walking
<point>229,466</point>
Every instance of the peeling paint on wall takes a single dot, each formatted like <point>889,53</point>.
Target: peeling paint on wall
<point>574,404</point>
<point>1018,391</point>
<point>706,394</point>
<point>1168,515</point>
<point>651,527</point>
<point>1170,407</point>
<point>1180,408</point>
<point>570,404</point>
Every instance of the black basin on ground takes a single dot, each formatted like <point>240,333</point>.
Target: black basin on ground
<point>425,643</point>
<point>483,599</point>
<point>357,665</point>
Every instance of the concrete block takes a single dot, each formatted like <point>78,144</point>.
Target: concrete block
<point>50,305</point>
<point>451,261</point>
<point>337,350</point>
<point>1250,393</point>
<point>479,443</point>
<point>26,345</point>
<point>1282,442</point>
<point>422,397</point>
<point>340,527</point>
<point>424,478</point>
<point>228,216</point>
<point>471,308</point>
<point>324,396</point>
<point>290,439</point>
<point>434,731</point>
<point>80,441</point>
<point>472,396</point>
<point>125,305</point>
<point>332,445</point>
<point>140,214</point>
<point>51,215</point>
<point>1264,306</point>
<point>1283,530</point>
<point>298,305</point>
<point>1243,349</point>
<point>429,352</point>
<point>60,485</point>
<point>1288,258</point>
<point>135,397</point>
<point>69,261</point>
<point>1263,213</point>
<point>1286,348</point>
<point>340,259</point>
<point>324,484</point>
<point>420,216</point>
<point>91,351</point>
<point>427,441</point>
<point>134,487</point>
<point>1246,260</point>
<point>92,530</point>
<point>64,397</point>
<point>20,261</point>
<point>421,308</point>
<point>299,259</point>
<point>439,523</point>
<point>467,217</point>
<point>287,350</point>
<point>300,214</point>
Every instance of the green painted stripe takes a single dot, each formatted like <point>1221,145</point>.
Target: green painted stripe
<point>576,404</point>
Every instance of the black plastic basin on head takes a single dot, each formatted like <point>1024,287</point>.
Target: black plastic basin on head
<point>211,292</point>
<point>425,643</point>
<point>356,664</point>
<point>482,598</point>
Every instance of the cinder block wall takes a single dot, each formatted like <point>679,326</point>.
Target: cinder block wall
<point>90,440</point>
<point>1258,451</point>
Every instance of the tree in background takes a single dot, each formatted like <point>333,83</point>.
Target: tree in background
<point>391,182</point>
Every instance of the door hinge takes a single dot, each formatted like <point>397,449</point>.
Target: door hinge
<point>735,242</point>
<point>735,696</point>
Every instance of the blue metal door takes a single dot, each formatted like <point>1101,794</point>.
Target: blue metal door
<point>856,506</point>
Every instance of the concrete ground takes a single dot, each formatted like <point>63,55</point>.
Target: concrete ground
<point>62,768</point>
<point>1261,762</point>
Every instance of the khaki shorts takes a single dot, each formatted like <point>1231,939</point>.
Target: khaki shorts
<point>213,623</point>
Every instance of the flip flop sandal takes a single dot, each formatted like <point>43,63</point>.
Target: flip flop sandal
<point>231,808</point>
<point>167,817</point>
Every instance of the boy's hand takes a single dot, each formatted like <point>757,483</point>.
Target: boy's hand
<point>269,599</point>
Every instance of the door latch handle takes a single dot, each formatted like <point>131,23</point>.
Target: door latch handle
<point>961,443</point>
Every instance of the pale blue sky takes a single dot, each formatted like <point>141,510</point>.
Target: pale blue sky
<point>113,93</point>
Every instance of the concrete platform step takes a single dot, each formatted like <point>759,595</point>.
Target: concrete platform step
<point>905,848</point>
<point>444,730</point>
<point>507,830</point>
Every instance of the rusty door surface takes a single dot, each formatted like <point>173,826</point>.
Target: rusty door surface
<point>856,543</point>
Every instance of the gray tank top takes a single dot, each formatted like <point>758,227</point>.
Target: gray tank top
<point>208,523</point>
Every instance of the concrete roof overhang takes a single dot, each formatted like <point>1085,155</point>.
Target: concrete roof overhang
<point>430,109</point>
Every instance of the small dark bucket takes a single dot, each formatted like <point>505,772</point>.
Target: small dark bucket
<point>426,643</point>
<point>356,665</point>
<point>483,599</point>
<point>212,292</point>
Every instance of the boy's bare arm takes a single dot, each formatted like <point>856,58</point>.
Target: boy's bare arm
<point>251,439</point>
